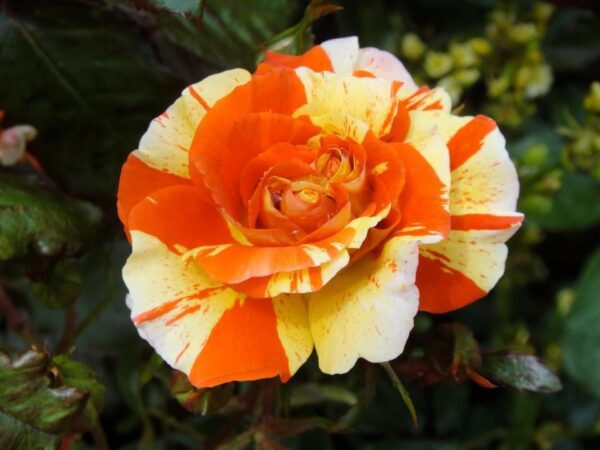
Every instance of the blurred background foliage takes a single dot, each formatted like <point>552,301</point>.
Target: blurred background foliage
<point>91,74</point>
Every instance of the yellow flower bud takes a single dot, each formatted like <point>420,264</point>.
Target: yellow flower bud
<point>535,80</point>
<point>437,64</point>
<point>467,77</point>
<point>412,46</point>
<point>480,46</point>
<point>522,33</point>
<point>592,101</point>
<point>463,55</point>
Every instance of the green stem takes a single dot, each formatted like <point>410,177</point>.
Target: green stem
<point>403,392</point>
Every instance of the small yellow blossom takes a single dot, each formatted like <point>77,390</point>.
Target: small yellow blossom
<point>437,64</point>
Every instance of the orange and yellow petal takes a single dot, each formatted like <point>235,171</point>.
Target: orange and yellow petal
<point>209,331</point>
<point>166,144</point>
<point>277,92</point>
<point>483,178</point>
<point>234,263</point>
<point>316,59</point>
<point>467,264</point>
<point>138,180</point>
<point>369,100</point>
<point>296,282</point>
<point>179,217</point>
<point>367,310</point>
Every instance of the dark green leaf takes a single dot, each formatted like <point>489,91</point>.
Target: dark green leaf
<point>32,409</point>
<point>34,216</point>
<point>80,376</point>
<point>581,336</point>
<point>98,82</point>
<point>62,286</point>
<point>193,7</point>
<point>232,32</point>
<point>521,372</point>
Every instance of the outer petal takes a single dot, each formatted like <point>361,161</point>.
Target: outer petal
<point>208,331</point>
<point>424,200</point>
<point>367,310</point>
<point>370,100</point>
<point>315,59</point>
<point>383,64</point>
<point>166,144</point>
<point>483,197</point>
<point>138,180</point>
<point>343,54</point>
<point>162,159</point>
<point>483,177</point>
<point>462,268</point>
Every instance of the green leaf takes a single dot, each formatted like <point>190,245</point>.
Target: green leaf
<point>98,83</point>
<point>232,33</point>
<point>33,409</point>
<point>582,333</point>
<point>521,372</point>
<point>193,7</point>
<point>80,376</point>
<point>62,286</point>
<point>33,216</point>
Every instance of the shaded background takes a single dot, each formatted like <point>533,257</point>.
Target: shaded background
<point>90,75</point>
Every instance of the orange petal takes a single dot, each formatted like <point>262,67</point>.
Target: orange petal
<point>138,180</point>
<point>315,59</point>
<point>484,221</point>
<point>443,289</point>
<point>226,142</point>
<point>244,345</point>
<point>385,162</point>
<point>423,201</point>
<point>178,216</point>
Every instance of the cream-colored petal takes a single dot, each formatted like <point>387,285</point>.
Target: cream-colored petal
<point>487,181</point>
<point>479,255</point>
<point>343,54</point>
<point>162,287</point>
<point>166,143</point>
<point>367,310</point>
<point>384,65</point>
<point>293,329</point>
<point>176,308</point>
<point>370,100</point>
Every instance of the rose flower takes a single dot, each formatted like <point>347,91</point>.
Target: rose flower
<point>321,201</point>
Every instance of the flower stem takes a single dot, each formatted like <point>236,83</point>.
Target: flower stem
<point>403,392</point>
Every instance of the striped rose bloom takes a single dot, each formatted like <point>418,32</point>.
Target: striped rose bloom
<point>319,202</point>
